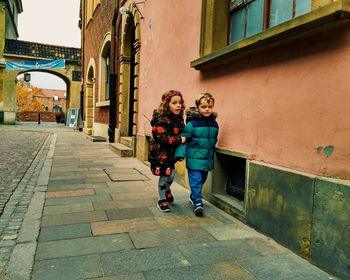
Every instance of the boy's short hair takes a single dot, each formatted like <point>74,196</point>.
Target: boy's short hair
<point>207,96</point>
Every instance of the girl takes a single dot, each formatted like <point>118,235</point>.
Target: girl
<point>167,124</point>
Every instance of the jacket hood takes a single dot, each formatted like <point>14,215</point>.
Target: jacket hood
<point>193,114</point>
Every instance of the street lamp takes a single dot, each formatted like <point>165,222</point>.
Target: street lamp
<point>27,77</point>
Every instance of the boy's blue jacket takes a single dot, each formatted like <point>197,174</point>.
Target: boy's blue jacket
<point>201,136</point>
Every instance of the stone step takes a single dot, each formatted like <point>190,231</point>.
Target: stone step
<point>127,141</point>
<point>121,150</point>
<point>96,138</point>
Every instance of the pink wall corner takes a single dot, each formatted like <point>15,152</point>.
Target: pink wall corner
<point>278,105</point>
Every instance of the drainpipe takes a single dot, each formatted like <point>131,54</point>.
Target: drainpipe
<point>113,79</point>
<point>82,28</point>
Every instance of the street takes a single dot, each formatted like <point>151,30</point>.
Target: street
<point>81,212</point>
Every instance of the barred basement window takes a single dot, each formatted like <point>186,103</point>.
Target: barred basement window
<point>249,17</point>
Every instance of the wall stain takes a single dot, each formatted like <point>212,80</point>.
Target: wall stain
<point>328,150</point>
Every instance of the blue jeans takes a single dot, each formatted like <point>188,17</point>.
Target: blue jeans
<point>197,178</point>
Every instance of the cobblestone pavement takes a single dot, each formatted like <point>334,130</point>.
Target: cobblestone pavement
<point>17,150</point>
<point>23,150</point>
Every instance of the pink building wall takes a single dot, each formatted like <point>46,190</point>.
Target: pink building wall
<point>277,105</point>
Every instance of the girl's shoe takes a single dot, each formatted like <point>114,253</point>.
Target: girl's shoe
<point>169,196</point>
<point>163,205</point>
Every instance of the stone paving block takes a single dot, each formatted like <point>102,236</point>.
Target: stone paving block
<point>67,177</point>
<point>67,268</point>
<point>65,232</point>
<point>126,262</point>
<point>66,182</point>
<point>186,221</point>
<point>288,267</point>
<point>76,187</point>
<point>132,196</point>
<point>119,226</point>
<point>70,193</point>
<point>221,251</point>
<point>76,200</point>
<point>65,209</point>
<point>97,180</point>
<point>128,213</point>
<point>119,189</point>
<point>119,204</point>
<point>96,174</point>
<point>132,276</point>
<point>128,177</point>
<point>177,236</point>
<point>235,231</point>
<point>267,246</point>
<point>83,246</point>
<point>73,218</point>
<point>134,184</point>
<point>218,271</point>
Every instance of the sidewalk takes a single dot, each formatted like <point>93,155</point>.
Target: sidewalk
<point>97,219</point>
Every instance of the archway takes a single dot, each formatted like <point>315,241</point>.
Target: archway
<point>129,75</point>
<point>45,96</point>
<point>89,100</point>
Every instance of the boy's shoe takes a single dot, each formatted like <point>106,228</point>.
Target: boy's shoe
<point>169,196</point>
<point>198,208</point>
<point>191,201</point>
<point>163,205</point>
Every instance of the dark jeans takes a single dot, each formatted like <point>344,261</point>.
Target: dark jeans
<point>197,178</point>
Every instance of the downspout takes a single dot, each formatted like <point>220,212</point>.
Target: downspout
<point>113,77</point>
<point>82,39</point>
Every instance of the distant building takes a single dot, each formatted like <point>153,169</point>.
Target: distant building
<point>54,100</point>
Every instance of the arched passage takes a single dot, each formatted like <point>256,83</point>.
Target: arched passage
<point>129,73</point>
<point>45,88</point>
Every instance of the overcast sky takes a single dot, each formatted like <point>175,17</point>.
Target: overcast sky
<point>52,22</point>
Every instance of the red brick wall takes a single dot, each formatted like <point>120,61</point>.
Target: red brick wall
<point>33,116</point>
<point>96,29</point>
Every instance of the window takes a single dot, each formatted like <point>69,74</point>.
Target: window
<point>57,108</point>
<point>55,98</point>
<point>104,69</point>
<point>249,17</point>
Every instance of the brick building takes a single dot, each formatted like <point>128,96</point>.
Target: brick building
<point>54,100</point>
<point>97,29</point>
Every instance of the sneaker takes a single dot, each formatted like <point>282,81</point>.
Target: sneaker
<point>163,205</point>
<point>198,208</point>
<point>169,196</point>
<point>191,201</point>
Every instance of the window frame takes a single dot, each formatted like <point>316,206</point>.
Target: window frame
<point>214,48</point>
<point>266,24</point>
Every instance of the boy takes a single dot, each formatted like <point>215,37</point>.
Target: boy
<point>201,133</point>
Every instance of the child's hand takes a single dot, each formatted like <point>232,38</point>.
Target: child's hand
<point>183,140</point>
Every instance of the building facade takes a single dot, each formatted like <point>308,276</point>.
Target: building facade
<point>278,72</point>
<point>54,100</point>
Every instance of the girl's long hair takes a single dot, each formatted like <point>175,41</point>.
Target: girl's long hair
<point>163,108</point>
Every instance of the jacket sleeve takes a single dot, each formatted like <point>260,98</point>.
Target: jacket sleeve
<point>164,135</point>
<point>187,133</point>
<point>180,151</point>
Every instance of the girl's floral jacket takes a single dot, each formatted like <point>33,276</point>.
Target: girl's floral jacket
<point>165,138</point>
